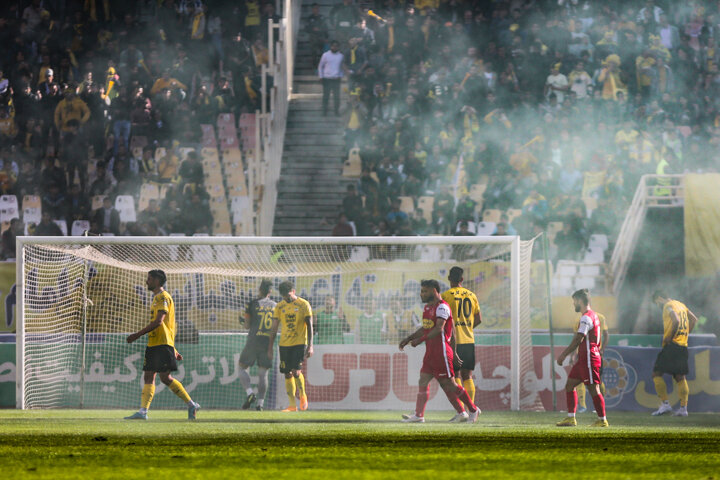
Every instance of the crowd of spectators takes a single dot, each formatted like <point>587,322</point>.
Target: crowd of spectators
<point>90,90</point>
<point>551,106</point>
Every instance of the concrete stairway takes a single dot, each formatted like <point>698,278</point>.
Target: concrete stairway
<point>311,185</point>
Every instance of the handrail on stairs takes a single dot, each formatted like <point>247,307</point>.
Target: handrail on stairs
<point>653,191</point>
<point>270,123</point>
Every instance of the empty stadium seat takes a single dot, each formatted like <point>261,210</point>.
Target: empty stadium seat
<point>225,120</point>
<point>431,253</point>
<point>212,171</point>
<point>246,119</point>
<point>8,212</point>
<point>584,282</point>
<point>225,253</point>
<point>79,227</point>
<point>31,201</point>
<point>63,226</point>
<point>407,204</point>
<point>209,142</point>
<point>562,285</point>
<point>125,205</point>
<point>513,213</point>
<point>9,201</point>
<point>231,155</point>
<point>239,203</point>
<point>472,227</point>
<point>148,191</point>
<point>477,191</point>
<point>222,228</point>
<point>599,240</point>
<point>215,189</point>
<point>209,153</point>
<point>208,130</point>
<point>426,204</point>
<point>243,228</point>
<point>32,215</point>
<point>248,143</point>
<point>229,141</point>
<point>594,255</point>
<point>589,270</point>
<point>239,206</point>
<point>485,228</point>
<point>492,215</point>
<point>359,254</point>
<point>201,253</point>
<point>566,268</point>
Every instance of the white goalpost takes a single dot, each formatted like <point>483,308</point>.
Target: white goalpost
<point>79,297</point>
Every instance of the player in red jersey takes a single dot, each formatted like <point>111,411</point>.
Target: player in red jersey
<point>587,368</point>
<point>436,332</point>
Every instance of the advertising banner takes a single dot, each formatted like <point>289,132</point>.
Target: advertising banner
<point>366,377</point>
<point>7,296</point>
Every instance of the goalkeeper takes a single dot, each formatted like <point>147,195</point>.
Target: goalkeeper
<point>160,354</point>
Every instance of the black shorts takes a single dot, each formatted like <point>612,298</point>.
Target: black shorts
<point>160,358</point>
<point>672,359</point>
<point>291,358</point>
<point>466,352</point>
<point>256,350</point>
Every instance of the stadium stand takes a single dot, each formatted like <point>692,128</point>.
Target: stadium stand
<point>116,105</point>
<point>477,111</point>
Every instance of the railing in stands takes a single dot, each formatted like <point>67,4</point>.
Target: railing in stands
<point>264,164</point>
<point>653,191</point>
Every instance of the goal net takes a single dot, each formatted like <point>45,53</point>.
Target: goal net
<point>79,298</point>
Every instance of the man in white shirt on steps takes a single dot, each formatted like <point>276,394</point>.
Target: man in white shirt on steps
<point>330,71</point>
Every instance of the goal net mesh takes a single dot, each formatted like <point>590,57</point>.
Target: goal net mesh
<point>80,301</point>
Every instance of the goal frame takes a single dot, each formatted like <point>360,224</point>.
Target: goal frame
<point>512,241</point>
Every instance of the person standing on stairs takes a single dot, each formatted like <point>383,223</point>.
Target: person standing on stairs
<point>330,71</point>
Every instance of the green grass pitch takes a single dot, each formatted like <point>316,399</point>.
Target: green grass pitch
<point>332,445</point>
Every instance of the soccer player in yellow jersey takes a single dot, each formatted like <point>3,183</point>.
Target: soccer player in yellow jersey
<point>160,354</point>
<point>678,322</point>
<point>466,314</point>
<point>582,406</point>
<point>296,341</point>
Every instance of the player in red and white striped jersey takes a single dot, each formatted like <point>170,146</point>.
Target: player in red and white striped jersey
<point>436,332</point>
<point>587,368</point>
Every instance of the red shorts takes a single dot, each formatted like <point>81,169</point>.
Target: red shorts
<point>438,365</point>
<point>589,374</point>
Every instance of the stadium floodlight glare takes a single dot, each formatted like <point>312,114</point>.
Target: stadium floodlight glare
<point>79,297</point>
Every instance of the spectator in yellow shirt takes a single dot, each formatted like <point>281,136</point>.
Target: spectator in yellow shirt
<point>167,82</point>
<point>645,71</point>
<point>70,108</point>
<point>260,53</point>
<point>626,137</point>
